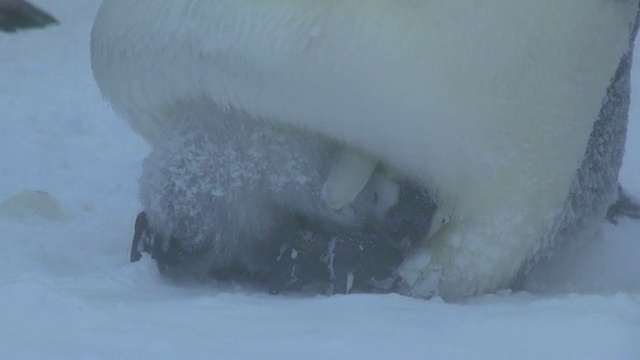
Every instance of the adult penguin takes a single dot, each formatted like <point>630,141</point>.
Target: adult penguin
<point>489,104</point>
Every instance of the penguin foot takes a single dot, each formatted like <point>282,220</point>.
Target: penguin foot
<point>362,260</point>
<point>301,261</point>
<point>344,255</point>
<point>166,253</point>
<point>624,206</point>
<point>19,14</point>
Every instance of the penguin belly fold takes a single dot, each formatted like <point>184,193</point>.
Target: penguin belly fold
<point>488,103</point>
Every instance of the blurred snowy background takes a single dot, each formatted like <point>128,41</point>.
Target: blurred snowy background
<point>68,291</point>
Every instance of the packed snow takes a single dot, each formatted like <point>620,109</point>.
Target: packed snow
<point>67,289</point>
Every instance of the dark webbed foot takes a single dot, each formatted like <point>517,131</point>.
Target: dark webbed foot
<point>344,257</point>
<point>364,260</point>
<point>300,261</point>
<point>19,14</point>
<point>284,276</point>
<point>140,237</point>
<point>624,206</point>
<point>166,253</point>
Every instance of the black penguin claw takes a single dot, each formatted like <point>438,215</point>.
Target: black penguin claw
<point>299,262</point>
<point>344,254</point>
<point>364,261</point>
<point>146,240</point>
<point>141,228</point>
<point>624,206</point>
<point>283,272</point>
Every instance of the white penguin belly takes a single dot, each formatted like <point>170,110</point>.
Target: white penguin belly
<point>488,103</point>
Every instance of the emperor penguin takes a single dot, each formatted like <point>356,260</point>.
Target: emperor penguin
<point>488,104</point>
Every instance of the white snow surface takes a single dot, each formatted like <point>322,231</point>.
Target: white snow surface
<point>68,291</point>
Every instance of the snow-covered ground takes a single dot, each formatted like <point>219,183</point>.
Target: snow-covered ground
<point>67,289</point>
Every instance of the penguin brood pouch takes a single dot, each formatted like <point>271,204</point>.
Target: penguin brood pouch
<point>491,115</point>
